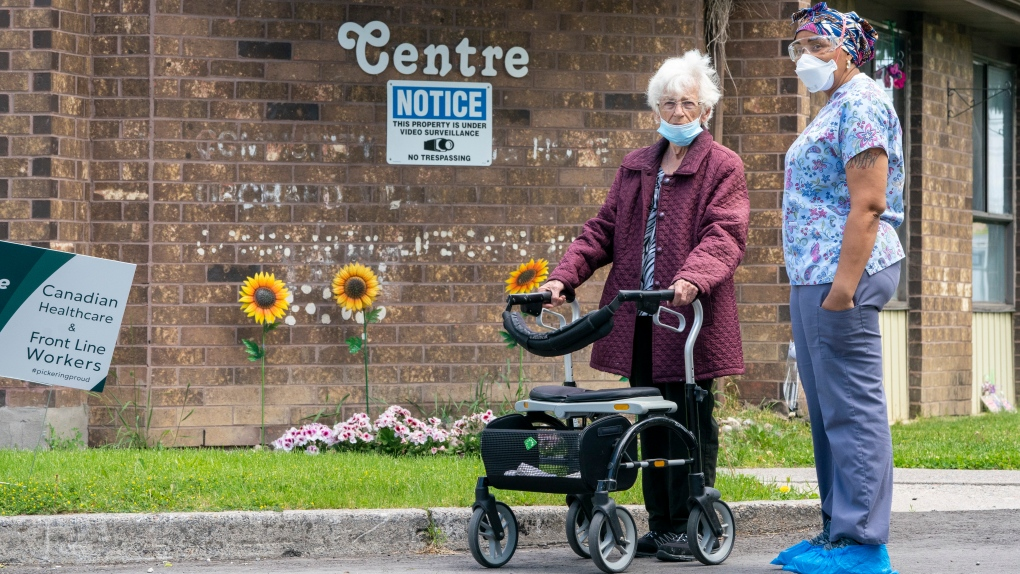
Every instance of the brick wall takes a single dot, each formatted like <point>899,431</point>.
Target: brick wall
<point>764,108</point>
<point>44,147</point>
<point>122,133</point>
<point>232,137</point>
<point>206,140</point>
<point>1016,238</point>
<point>940,222</point>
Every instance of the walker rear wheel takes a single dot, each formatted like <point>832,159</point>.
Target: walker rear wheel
<point>704,545</point>
<point>609,556</point>
<point>577,530</point>
<point>482,542</point>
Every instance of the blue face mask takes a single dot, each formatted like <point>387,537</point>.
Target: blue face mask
<point>681,135</point>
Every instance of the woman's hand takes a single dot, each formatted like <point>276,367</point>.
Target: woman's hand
<point>554,287</point>
<point>684,292</point>
<point>837,301</point>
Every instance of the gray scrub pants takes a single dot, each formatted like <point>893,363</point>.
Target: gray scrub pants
<point>839,356</point>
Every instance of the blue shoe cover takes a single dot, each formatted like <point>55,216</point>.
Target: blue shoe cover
<point>787,556</point>
<point>854,559</point>
<point>807,562</point>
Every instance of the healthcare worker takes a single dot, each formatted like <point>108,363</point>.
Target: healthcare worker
<point>842,201</point>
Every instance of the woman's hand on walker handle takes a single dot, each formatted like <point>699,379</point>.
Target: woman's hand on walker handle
<point>554,287</point>
<point>684,292</point>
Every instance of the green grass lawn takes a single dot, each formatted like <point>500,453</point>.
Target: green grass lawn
<point>990,442</point>
<point>114,480</point>
<point>109,480</point>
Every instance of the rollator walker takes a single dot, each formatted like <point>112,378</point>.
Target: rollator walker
<point>577,442</point>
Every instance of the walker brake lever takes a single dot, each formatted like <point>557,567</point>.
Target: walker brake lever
<point>679,329</point>
<point>541,323</point>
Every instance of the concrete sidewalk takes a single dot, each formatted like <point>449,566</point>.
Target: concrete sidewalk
<point>219,536</point>
<point>923,490</point>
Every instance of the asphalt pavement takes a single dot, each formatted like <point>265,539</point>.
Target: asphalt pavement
<point>922,543</point>
<point>944,522</point>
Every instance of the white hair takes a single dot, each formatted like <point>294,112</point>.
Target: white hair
<point>692,71</point>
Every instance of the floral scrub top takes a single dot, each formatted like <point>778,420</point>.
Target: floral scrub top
<point>816,200</point>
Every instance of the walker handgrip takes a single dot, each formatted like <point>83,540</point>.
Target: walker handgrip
<point>530,303</point>
<point>525,298</point>
<point>651,296</point>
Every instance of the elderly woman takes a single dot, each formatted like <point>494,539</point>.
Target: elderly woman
<point>675,217</point>
<point>843,198</point>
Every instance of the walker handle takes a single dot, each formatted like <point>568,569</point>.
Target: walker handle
<point>531,303</point>
<point>647,301</point>
<point>526,298</point>
<point>651,296</point>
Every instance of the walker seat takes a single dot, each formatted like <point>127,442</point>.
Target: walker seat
<point>561,394</point>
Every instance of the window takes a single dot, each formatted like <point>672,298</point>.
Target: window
<point>889,69</point>
<point>993,184</point>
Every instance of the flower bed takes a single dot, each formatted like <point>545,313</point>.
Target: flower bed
<point>395,432</point>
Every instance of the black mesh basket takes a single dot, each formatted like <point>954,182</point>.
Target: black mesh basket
<point>539,454</point>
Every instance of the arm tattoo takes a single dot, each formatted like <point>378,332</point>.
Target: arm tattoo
<point>865,160</point>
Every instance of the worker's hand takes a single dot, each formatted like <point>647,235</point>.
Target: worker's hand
<point>684,292</point>
<point>838,301</point>
<point>554,287</point>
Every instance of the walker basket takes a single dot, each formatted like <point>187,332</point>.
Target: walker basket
<point>521,455</point>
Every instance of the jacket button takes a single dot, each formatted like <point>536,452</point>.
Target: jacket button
<point>662,215</point>
<point>657,284</point>
<point>658,250</point>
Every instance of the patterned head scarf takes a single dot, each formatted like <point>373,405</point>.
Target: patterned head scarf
<point>858,38</point>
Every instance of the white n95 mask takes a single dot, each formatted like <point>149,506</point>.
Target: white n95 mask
<point>817,74</point>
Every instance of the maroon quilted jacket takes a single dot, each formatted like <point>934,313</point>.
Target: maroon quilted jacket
<point>701,235</point>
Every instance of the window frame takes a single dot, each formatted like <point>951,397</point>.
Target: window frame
<point>1006,220</point>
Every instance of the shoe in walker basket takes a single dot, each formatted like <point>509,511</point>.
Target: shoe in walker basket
<point>534,450</point>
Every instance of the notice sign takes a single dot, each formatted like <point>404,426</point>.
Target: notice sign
<point>438,123</point>
<point>60,315</point>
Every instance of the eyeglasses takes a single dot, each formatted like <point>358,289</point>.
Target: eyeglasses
<point>814,45</point>
<point>669,106</point>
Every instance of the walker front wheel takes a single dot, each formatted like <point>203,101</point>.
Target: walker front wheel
<point>486,549</point>
<point>609,556</point>
<point>577,530</point>
<point>705,546</point>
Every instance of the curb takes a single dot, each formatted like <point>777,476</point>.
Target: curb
<point>127,538</point>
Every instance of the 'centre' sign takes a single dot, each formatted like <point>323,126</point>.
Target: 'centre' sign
<point>438,123</point>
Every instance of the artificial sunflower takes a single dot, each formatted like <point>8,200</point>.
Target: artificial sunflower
<point>355,287</point>
<point>527,277</point>
<point>264,297</point>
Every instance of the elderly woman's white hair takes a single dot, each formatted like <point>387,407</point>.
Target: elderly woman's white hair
<point>692,71</point>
